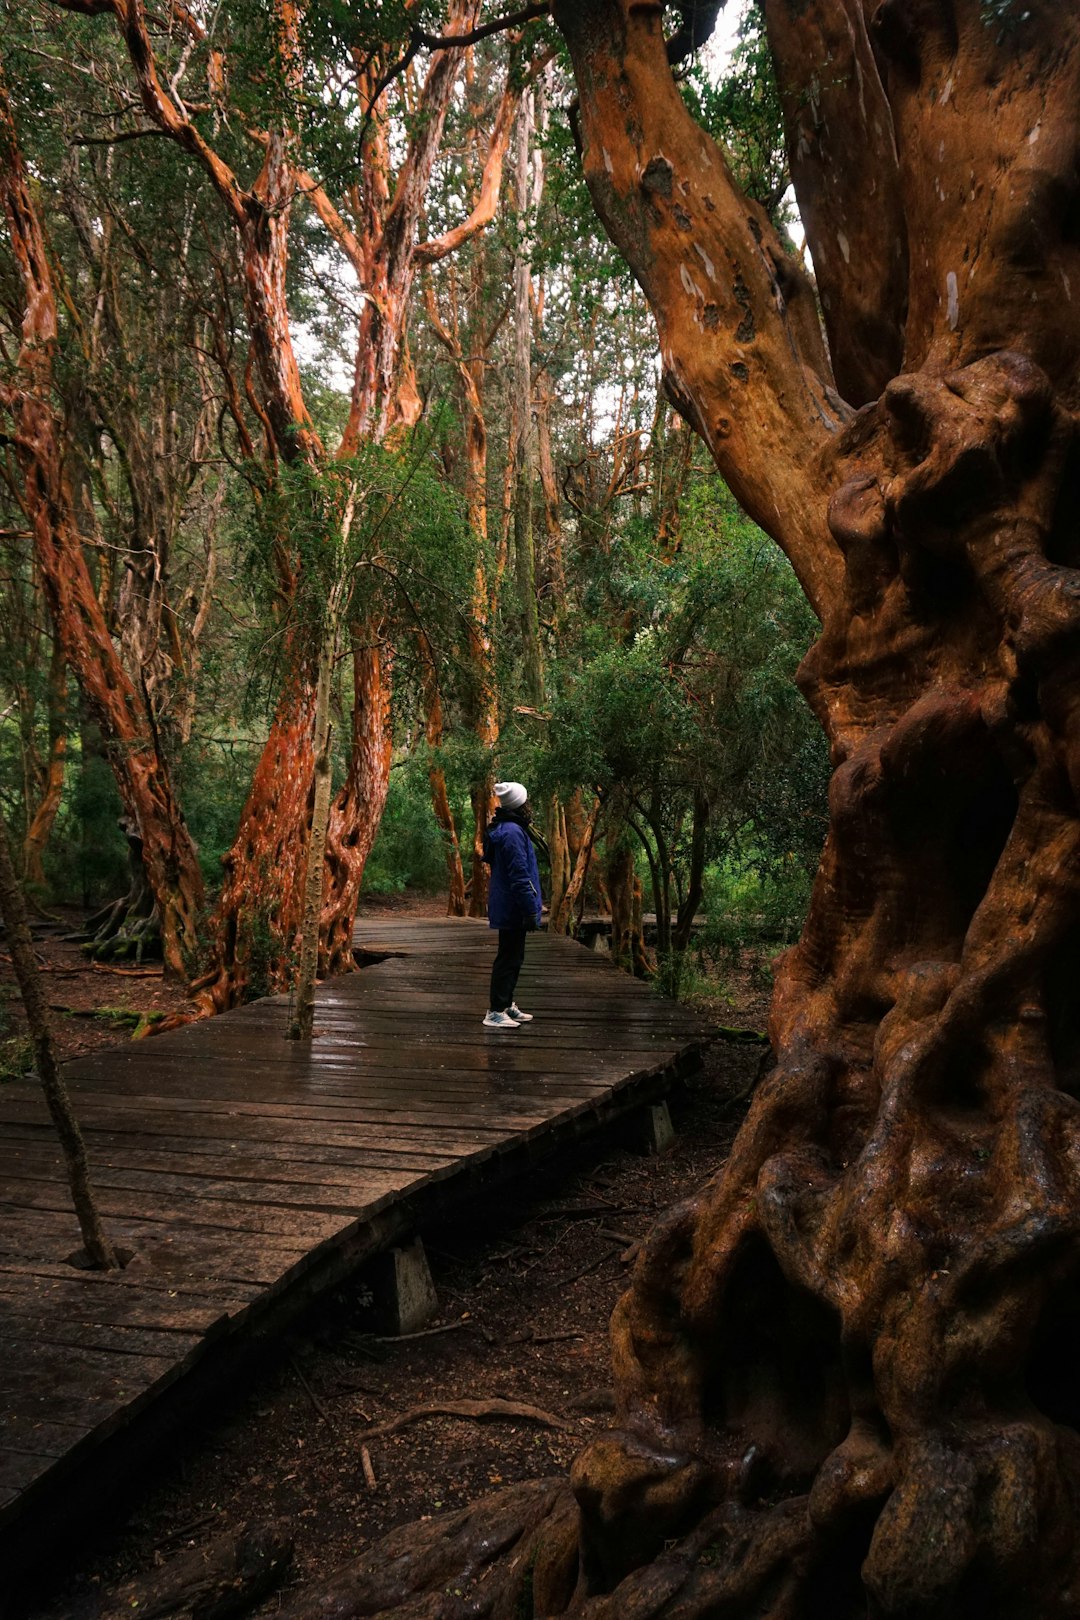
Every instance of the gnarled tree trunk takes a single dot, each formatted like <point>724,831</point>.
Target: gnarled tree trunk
<point>142,774</point>
<point>845,1371</point>
<point>901,1210</point>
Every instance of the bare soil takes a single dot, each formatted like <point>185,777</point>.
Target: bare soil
<point>93,1004</point>
<point>526,1279</point>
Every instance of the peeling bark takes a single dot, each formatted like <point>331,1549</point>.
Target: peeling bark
<point>142,776</point>
<point>358,807</point>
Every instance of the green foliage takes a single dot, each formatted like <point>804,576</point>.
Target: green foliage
<point>16,1048</point>
<point>755,902</point>
<point>745,113</point>
<point>212,780</point>
<point>86,859</point>
<point>379,537</point>
<point>700,693</point>
<point>140,1023</point>
<point>407,852</point>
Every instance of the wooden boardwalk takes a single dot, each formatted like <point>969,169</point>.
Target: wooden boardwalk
<point>248,1173</point>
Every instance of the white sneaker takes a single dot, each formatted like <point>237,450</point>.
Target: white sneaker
<point>516,1013</point>
<point>500,1020</point>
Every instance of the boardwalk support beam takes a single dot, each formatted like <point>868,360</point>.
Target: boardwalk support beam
<point>659,1131</point>
<point>409,1296</point>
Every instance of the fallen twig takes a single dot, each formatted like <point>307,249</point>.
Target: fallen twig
<point>43,966</point>
<point>593,1265</point>
<point>423,1333</point>
<point>368,1467</point>
<point>350,1386</point>
<point>518,1411</point>
<point>613,1236</point>
<point>582,1212</point>
<point>543,1338</point>
<point>129,973</point>
<point>184,1531</point>
<point>311,1395</point>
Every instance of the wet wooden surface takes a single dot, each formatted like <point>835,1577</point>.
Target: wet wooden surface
<point>246,1171</point>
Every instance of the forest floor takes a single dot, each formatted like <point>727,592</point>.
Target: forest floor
<point>527,1278</point>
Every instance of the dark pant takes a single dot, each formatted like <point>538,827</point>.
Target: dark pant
<point>506,967</point>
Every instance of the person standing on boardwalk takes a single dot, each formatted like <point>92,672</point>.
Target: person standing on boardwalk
<point>514,902</point>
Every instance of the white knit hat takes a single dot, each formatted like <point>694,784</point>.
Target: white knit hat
<point>511,795</point>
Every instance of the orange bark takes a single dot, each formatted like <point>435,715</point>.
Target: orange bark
<point>471,360</point>
<point>172,867</point>
<point>358,807</point>
<point>440,799</point>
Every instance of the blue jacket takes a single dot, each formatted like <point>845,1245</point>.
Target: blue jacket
<point>514,891</point>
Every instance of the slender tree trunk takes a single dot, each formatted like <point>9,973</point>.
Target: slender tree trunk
<point>302,1021</point>
<point>620,882</point>
<point>484,697</point>
<point>624,890</point>
<point>13,916</point>
<point>560,856</point>
<point>561,922</point>
<point>358,807</point>
<point>440,799</point>
<point>41,822</point>
<point>554,566</point>
<point>695,881</point>
<point>524,447</point>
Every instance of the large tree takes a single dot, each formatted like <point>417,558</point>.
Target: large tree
<point>845,1371</point>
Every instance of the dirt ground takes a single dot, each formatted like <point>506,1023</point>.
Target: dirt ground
<point>93,1004</point>
<point>526,1279</point>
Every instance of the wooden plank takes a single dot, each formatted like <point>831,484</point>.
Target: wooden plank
<point>348,1197</point>
<point>75,1385</point>
<point>246,1171</point>
<point>24,1297</point>
<point>230,1215</point>
<point>221,1131</point>
<point>233,1175</point>
<point>137,1279</point>
<point>194,1253</point>
<point>54,1328</point>
<point>18,1469</point>
<point>45,1437</point>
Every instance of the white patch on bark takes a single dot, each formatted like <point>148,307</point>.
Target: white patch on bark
<point>690,286</point>
<point>1034,136</point>
<point>608,165</point>
<point>947,92</point>
<point>845,246</point>
<point>954,300</point>
<point>710,268</point>
<point>1068,288</point>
